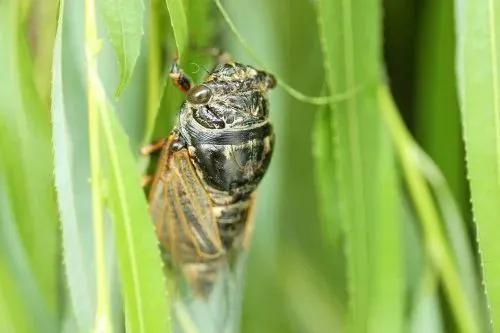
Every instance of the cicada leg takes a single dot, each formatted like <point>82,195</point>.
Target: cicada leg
<point>146,180</point>
<point>148,150</point>
<point>154,147</point>
<point>248,232</point>
<point>179,78</point>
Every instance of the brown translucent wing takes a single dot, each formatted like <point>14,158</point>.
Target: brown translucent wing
<point>181,210</point>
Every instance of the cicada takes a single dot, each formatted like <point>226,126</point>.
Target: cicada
<point>202,194</point>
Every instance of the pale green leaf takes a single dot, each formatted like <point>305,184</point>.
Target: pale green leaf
<point>69,127</point>
<point>178,21</point>
<point>124,20</point>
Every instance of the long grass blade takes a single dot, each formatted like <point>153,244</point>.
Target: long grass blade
<point>324,140</point>
<point>437,246</point>
<point>143,286</point>
<point>94,101</point>
<point>26,159</point>
<point>478,61</point>
<point>437,116</point>
<point>456,233</point>
<point>350,35</point>
<point>140,264</point>
<point>154,69</point>
<point>73,207</point>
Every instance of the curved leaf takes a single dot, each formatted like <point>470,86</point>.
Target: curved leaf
<point>179,25</point>
<point>124,22</point>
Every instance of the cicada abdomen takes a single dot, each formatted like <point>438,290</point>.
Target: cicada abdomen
<point>202,195</point>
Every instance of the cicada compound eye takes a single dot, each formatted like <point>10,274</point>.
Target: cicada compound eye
<point>199,95</point>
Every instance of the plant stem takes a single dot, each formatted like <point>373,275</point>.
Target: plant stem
<point>92,46</point>
<point>153,98</point>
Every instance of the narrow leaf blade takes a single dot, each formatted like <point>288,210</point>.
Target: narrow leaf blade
<point>143,284</point>
<point>69,129</point>
<point>478,61</point>
<point>25,162</point>
<point>350,34</point>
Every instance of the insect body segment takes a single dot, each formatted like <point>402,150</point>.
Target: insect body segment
<point>202,194</point>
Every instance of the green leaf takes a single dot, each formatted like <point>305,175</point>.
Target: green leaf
<point>440,135</point>
<point>124,21</point>
<point>21,298</point>
<point>387,282</point>
<point>69,127</point>
<point>457,234</point>
<point>26,158</point>
<point>14,314</point>
<point>326,161</point>
<point>143,283</point>
<point>350,35</point>
<point>437,247</point>
<point>426,315</point>
<point>178,21</point>
<point>478,61</point>
<point>323,152</point>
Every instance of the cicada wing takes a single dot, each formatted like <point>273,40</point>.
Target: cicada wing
<point>249,225</point>
<point>182,212</point>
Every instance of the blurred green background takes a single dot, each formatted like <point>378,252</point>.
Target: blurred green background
<point>356,228</point>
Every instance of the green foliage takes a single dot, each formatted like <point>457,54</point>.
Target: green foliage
<point>478,76</point>
<point>357,227</point>
<point>140,267</point>
<point>124,21</point>
<point>30,242</point>
<point>364,166</point>
<point>72,171</point>
<point>179,25</point>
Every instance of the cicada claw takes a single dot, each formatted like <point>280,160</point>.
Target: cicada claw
<point>153,148</point>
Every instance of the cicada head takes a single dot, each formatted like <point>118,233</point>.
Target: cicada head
<point>232,96</point>
<point>225,125</point>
